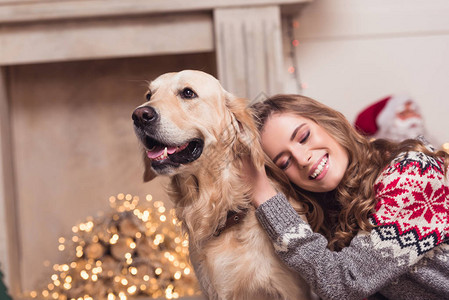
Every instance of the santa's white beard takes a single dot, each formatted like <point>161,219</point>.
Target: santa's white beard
<point>403,129</point>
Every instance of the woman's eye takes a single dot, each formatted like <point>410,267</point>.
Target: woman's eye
<point>284,165</point>
<point>148,96</point>
<point>188,94</point>
<point>304,138</point>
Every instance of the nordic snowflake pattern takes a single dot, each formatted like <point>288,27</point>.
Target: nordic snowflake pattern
<point>412,214</point>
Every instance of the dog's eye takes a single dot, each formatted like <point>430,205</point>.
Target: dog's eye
<point>188,93</point>
<point>148,96</point>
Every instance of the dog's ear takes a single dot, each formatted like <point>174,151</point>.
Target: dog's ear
<point>248,135</point>
<point>148,174</point>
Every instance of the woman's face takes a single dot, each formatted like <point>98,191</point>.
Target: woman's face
<point>309,156</point>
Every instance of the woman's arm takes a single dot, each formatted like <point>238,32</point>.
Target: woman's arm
<point>353,273</point>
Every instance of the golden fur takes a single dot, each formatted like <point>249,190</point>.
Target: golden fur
<point>240,263</point>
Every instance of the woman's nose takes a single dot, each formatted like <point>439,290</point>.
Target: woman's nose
<point>303,156</point>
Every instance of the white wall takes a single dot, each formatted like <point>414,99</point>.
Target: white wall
<point>354,52</point>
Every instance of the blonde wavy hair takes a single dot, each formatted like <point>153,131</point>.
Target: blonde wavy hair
<point>340,220</point>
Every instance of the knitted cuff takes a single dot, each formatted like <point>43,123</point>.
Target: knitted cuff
<point>277,215</point>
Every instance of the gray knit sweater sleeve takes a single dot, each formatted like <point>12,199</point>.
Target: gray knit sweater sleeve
<point>403,234</point>
<point>353,273</point>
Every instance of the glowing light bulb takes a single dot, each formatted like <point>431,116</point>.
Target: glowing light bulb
<point>132,289</point>
<point>84,275</point>
<point>111,296</point>
<point>446,147</point>
<point>177,275</point>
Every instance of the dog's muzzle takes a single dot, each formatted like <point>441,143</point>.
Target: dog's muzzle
<point>163,154</point>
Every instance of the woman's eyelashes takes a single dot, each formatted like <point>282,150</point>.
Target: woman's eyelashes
<point>304,137</point>
<point>284,165</point>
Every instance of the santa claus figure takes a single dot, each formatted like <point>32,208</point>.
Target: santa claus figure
<point>395,118</point>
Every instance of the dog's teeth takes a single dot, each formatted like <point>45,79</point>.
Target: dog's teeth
<point>164,155</point>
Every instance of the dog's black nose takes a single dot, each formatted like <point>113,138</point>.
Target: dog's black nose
<point>144,115</point>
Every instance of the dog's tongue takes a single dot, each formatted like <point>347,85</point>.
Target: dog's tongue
<point>157,151</point>
<point>171,150</point>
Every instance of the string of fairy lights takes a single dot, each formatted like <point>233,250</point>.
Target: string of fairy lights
<point>136,250</point>
<point>293,43</point>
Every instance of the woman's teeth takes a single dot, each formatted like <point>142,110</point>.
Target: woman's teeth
<point>319,168</point>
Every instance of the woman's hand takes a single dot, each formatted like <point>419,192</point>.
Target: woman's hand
<point>261,186</point>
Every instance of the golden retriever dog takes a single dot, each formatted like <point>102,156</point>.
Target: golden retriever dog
<point>195,132</point>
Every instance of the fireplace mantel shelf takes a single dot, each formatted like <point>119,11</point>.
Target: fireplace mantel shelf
<point>26,11</point>
<point>68,30</point>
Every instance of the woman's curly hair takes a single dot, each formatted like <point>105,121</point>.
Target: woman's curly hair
<point>338,220</point>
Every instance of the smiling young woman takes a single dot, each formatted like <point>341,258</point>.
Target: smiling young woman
<point>378,212</point>
<point>309,156</point>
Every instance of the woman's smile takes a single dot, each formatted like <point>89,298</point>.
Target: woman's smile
<point>310,157</point>
<point>319,170</point>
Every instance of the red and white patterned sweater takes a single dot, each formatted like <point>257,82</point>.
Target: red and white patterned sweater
<point>406,256</point>
<point>412,212</point>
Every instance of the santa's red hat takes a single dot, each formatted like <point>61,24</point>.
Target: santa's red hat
<point>380,114</point>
